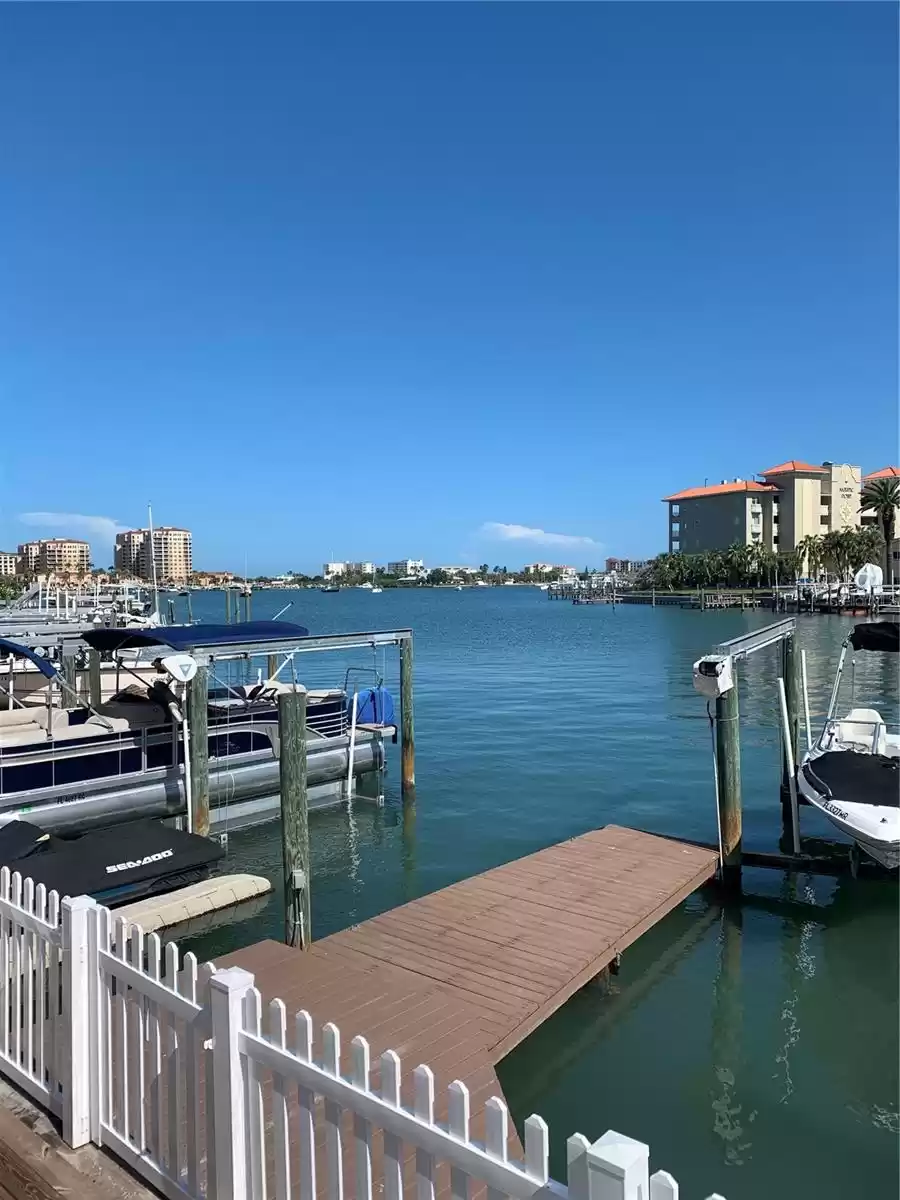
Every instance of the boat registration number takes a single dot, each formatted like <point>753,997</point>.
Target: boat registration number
<point>838,812</point>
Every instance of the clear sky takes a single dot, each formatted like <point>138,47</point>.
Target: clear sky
<point>377,281</point>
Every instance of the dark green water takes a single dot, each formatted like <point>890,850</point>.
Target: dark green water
<point>755,1049</point>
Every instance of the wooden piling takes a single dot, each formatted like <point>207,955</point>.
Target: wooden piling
<point>190,609</point>
<point>407,724</point>
<point>227,605</point>
<point>95,695</point>
<point>294,817</point>
<point>728,769</point>
<point>247,605</point>
<point>792,694</point>
<point>198,700</point>
<point>68,671</point>
<point>272,666</point>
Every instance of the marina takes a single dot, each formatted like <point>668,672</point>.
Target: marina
<point>440,951</point>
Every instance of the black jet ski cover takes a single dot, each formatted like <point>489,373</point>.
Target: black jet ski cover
<point>133,858</point>
<point>876,635</point>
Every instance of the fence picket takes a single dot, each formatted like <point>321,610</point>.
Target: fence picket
<point>104,1020</point>
<point>174,1083</point>
<point>155,1089</point>
<point>28,966</point>
<point>17,933</point>
<point>663,1186</point>
<point>496,1136</point>
<point>423,1081</point>
<point>206,1051</point>
<point>393,1147</point>
<point>537,1149</point>
<point>137,1128</point>
<point>120,1036</point>
<point>40,985</point>
<point>459,1128</point>
<point>187,978</point>
<point>5,963</point>
<point>256,1117</point>
<point>54,1008</point>
<point>303,1040</point>
<point>362,1128</point>
<point>280,1126</point>
<point>334,1149</point>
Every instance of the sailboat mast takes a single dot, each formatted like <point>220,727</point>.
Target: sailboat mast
<point>153,561</point>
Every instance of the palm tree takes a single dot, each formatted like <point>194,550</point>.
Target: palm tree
<point>882,497</point>
<point>813,553</point>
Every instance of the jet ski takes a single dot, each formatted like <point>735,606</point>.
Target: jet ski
<point>852,772</point>
<point>115,866</point>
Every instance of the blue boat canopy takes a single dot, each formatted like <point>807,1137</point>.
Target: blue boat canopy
<point>187,637</point>
<point>43,664</point>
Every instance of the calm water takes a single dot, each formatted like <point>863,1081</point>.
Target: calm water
<point>755,1049</point>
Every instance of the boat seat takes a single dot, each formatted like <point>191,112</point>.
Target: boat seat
<point>58,718</point>
<point>863,727</point>
<point>93,727</point>
<point>10,717</point>
<point>136,714</point>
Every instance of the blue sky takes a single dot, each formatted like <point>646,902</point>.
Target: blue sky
<point>404,280</point>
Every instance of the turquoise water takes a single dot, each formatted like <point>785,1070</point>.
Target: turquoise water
<point>754,1047</point>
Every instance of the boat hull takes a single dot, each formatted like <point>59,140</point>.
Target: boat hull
<point>243,790</point>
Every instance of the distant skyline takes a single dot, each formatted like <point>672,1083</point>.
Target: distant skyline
<point>456,282</point>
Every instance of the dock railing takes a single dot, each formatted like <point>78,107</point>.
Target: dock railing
<point>177,1070</point>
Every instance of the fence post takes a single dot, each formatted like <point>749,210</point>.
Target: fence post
<point>618,1168</point>
<point>78,1071</point>
<point>227,990</point>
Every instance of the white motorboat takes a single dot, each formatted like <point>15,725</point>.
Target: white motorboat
<point>376,591</point>
<point>852,772</point>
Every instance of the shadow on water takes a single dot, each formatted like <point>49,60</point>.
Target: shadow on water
<point>751,1044</point>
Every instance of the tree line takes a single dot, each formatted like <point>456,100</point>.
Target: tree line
<point>839,553</point>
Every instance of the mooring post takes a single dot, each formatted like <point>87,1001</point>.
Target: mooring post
<point>791,691</point>
<point>653,597</point>
<point>407,724</point>
<point>190,610</point>
<point>198,763</point>
<point>95,695</point>
<point>294,816</point>
<point>272,666</point>
<point>227,605</point>
<point>247,603</point>
<point>68,671</point>
<point>728,770</point>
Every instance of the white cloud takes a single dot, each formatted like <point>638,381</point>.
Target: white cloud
<point>100,529</point>
<point>498,531</point>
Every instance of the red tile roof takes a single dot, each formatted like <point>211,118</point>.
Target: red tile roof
<point>720,489</point>
<point>788,468</point>
<point>884,473</point>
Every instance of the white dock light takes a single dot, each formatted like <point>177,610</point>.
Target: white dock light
<point>181,667</point>
<point>713,675</point>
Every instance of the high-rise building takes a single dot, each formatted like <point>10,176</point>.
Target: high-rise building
<point>9,562</point>
<point>172,552</point>
<point>55,556</point>
<point>407,568</point>
<point>790,502</point>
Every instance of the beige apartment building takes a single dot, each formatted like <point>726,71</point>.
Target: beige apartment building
<point>172,552</point>
<point>9,563</point>
<point>791,501</point>
<point>54,556</point>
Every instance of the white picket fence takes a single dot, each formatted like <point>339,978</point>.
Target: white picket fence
<point>175,1069</point>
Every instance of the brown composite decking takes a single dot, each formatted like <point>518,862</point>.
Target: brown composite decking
<point>457,978</point>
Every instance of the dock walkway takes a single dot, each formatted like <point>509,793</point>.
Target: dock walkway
<point>458,978</point>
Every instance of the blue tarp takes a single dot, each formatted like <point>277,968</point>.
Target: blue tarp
<point>43,665</point>
<point>186,637</point>
<point>374,706</point>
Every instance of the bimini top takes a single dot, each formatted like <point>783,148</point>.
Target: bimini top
<point>43,664</point>
<point>876,635</point>
<point>187,637</point>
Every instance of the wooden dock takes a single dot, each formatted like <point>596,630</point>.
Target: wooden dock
<point>458,978</point>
